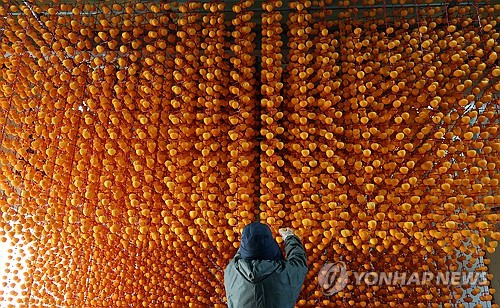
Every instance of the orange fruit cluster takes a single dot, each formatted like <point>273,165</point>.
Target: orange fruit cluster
<point>138,139</point>
<point>271,201</point>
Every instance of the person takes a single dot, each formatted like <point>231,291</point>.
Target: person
<point>259,276</point>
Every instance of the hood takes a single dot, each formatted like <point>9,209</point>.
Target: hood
<point>258,243</point>
<point>256,270</point>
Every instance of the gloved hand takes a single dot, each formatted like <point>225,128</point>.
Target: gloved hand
<point>285,232</point>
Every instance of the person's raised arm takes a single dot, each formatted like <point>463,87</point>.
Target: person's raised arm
<point>295,252</point>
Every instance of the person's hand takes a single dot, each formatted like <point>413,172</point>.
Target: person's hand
<point>285,232</point>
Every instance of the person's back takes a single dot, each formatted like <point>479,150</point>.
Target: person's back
<point>258,276</point>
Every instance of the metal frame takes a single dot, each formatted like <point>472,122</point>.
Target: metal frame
<point>317,8</point>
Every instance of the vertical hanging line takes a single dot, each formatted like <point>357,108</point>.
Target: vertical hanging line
<point>418,23</point>
<point>355,11</point>
<point>323,9</point>
<point>446,8</point>
<point>32,277</point>
<point>258,106</point>
<point>393,8</point>
<point>478,18</point>
<point>385,15</point>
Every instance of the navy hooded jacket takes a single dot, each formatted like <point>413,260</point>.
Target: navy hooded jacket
<point>263,279</point>
<point>258,243</point>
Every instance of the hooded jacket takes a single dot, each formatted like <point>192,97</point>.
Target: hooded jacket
<point>266,283</point>
<point>258,243</point>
